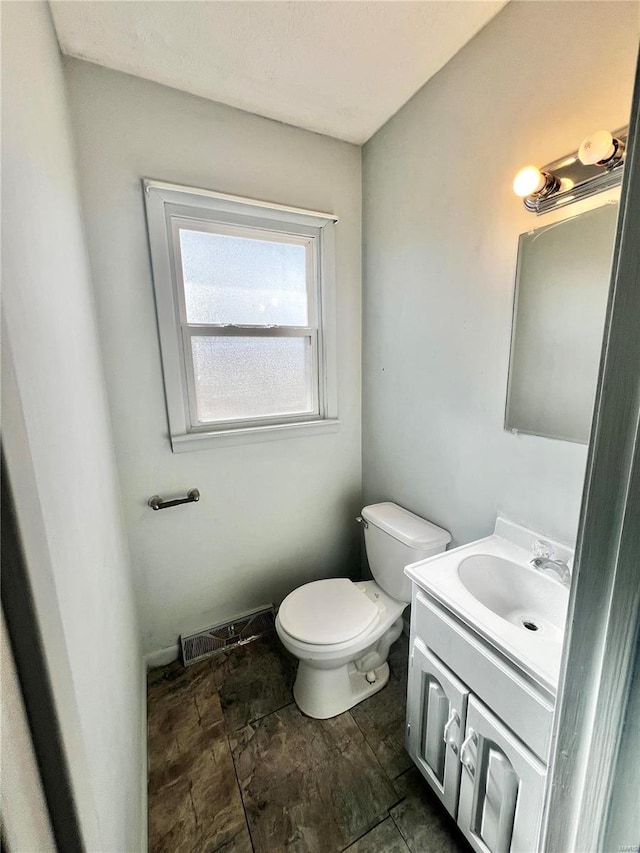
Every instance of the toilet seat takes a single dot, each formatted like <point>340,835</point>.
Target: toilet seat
<point>327,612</point>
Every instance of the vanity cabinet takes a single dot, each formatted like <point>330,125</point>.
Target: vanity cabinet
<point>485,771</point>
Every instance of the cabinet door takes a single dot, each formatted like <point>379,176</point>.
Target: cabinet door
<point>502,786</point>
<point>436,709</point>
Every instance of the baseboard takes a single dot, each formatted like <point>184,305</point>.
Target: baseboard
<point>144,804</point>
<point>162,657</point>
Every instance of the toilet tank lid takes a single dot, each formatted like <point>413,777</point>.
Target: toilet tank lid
<point>408,528</point>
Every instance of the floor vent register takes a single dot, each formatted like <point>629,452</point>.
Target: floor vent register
<point>220,638</point>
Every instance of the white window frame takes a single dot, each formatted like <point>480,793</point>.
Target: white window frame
<point>170,207</point>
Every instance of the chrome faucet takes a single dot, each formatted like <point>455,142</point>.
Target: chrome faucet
<point>558,567</point>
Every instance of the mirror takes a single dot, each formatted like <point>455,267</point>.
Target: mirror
<point>562,285</point>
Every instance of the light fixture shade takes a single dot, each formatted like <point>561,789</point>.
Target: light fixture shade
<point>528,181</point>
<point>598,147</point>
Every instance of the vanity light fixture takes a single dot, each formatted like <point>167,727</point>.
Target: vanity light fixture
<point>595,167</point>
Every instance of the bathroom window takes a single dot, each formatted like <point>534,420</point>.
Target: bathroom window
<point>245,304</point>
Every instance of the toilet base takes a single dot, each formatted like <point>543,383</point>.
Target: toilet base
<point>325,693</point>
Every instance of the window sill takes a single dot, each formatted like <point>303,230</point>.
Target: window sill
<point>251,435</point>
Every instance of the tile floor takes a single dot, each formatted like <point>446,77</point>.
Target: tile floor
<point>234,765</point>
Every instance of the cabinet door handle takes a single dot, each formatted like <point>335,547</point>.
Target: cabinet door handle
<point>452,721</point>
<point>465,752</point>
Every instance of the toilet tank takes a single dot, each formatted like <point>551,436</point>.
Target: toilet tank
<point>395,537</point>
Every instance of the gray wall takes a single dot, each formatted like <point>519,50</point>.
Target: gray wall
<point>440,238</point>
<point>272,515</point>
<point>57,436</point>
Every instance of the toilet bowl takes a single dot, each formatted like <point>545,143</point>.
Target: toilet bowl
<point>341,631</point>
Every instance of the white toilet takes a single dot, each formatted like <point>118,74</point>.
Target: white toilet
<point>341,631</point>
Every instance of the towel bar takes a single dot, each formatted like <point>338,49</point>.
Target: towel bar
<point>156,501</point>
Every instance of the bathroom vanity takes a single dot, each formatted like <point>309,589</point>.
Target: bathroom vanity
<point>487,625</point>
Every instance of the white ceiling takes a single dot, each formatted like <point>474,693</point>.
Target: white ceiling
<point>338,68</point>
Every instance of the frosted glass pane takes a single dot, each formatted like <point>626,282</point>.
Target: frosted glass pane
<point>244,281</point>
<point>251,377</point>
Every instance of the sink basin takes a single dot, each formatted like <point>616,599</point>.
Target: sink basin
<point>489,586</point>
<point>517,593</point>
